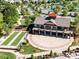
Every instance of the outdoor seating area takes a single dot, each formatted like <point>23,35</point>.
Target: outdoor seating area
<point>49,43</point>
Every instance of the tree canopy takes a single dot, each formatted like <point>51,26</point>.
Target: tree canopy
<point>8,15</point>
<point>1,21</point>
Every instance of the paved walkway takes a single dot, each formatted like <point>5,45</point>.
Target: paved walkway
<point>25,56</point>
<point>49,43</point>
<point>2,39</point>
<point>63,57</point>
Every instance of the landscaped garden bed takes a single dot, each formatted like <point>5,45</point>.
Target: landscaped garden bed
<point>10,38</point>
<point>17,40</point>
<point>29,49</point>
<point>7,55</point>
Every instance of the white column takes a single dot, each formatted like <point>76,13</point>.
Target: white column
<point>63,34</point>
<point>39,31</point>
<point>56,32</point>
<point>44,30</point>
<point>51,31</point>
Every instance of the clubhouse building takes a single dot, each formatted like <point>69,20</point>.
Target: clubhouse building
<point>53,25</point>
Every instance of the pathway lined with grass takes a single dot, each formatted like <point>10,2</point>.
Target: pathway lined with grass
<point>17,40</point>
<point>14,38</point>
<point>3,38</point>
<point>9,38</point>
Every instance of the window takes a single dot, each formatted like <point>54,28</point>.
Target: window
<point>48,27</point>
<point>42,27</point>
<point>60,28</point>
<point>53,27</point>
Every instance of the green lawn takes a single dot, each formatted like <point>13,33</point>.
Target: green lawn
<point>18,39</point>
<point>7,55</point>
<point>10,38</point>
<point>28,49</point>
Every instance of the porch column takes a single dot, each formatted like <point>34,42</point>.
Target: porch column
<point>56,32</point>
<point>63,34</point>
<point>44,30</point>
<point>39,31</point>
<point>51,31</point>
<point>33,31</point>
<point>70,35</point>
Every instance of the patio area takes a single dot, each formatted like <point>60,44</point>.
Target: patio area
<point>49,43</point>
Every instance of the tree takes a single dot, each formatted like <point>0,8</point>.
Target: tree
<point>6,29</point>
<point>1,22</point>
<point>51,53</point>
<point>2,5</point>
<point>55,54</point>
<point>25,12</point>
<point>32,56</point>
<point>57,9</point>
<point>75,24</point>
<point>28,21</point>
<point>10,15</point>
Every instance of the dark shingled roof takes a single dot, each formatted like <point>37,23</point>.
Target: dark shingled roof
<point>59,21</point>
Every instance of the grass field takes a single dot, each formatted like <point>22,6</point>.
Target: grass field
<point>10,38</point>
<point>18,39</point>
<point>7,55</point>
<point>28,49</point>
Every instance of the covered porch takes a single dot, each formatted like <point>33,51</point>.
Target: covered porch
<point>55,33</point>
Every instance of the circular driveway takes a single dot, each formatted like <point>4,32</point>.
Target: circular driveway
<point>49,43</point>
